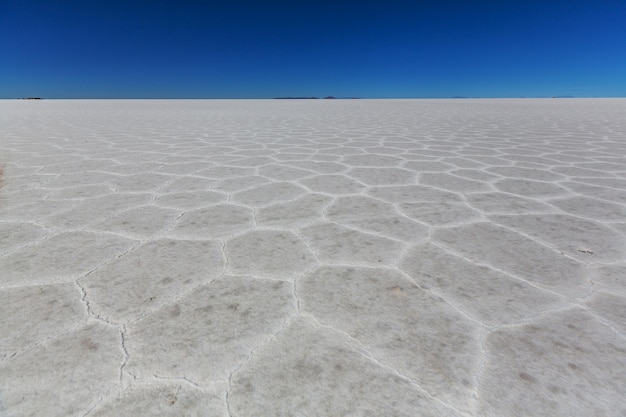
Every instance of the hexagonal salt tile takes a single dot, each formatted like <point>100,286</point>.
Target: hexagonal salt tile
<point>337,244</point>
<point>504,249</point>
<point>401,325</point>
<point>487,295</point>
<point>62,257</point>
<point>268,194</point>
<point>440,214</point>
<point>213,222</point>
<point>15,235</point>
<point>270,253</point>
<point>450,182</point>
<point>302,210</point>
<point>333,184</point>
<point>359,207</point>
<point>141,222</point>
<point>307,370</point>
<point>611,307</point>
<point>204,336</point>
<point>32,314</point>
<point>383,176</point>
<point>505,203</point>
<point>150,276</point>
<point>64,377</point>
<point>190,200</point>
<point>586,240</point>
<point>566,364</point>
<point>413,193</point>
<point>395,227</point>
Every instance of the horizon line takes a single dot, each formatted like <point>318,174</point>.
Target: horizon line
<point>35,98</point>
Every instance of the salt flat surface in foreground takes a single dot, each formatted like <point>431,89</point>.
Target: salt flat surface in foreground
<point>313,258</point>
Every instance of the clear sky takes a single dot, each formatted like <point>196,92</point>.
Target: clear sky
<point>264,49</point>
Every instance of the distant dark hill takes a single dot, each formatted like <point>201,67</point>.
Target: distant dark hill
<point>296,98</point>
<point>315,98</point>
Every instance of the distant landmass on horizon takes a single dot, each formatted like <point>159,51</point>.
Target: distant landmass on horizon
<point>315,98</point>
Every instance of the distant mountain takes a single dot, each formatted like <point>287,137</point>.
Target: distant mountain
<point>315,98</point>
<point>296,98</point>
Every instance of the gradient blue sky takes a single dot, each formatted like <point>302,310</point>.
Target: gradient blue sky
<point>263,49</point>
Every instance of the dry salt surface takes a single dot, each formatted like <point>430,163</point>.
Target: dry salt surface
<point>313,258</point>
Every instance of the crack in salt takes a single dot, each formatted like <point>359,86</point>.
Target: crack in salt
<point>245,361</point>
<point>364,352</point>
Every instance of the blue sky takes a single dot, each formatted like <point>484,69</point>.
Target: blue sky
<point>264,49</point>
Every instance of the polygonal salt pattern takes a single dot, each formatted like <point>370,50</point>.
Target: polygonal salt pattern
<point>213,222</point>
<point>81,191</point>
<point>166,400</point>
<point>618,183</point>
<point>140,223</point>
<point>149,276</point>
<point>428,166</point>
<point>610,307</point>
<point>82,178</point>
<point>40,210</point>
<point>486,243</point>
<point>382,176</point>
<point>64,377</point>
<point>270,253</point>
<point>190,200</point>
<point>579,238</point>
<point>95,209</point>
<point>567,364</point>
<point>414,193</point>
<point>530,188</point>
<point>318,373</point>
<point>139,182</point>
<point>61,258</point>
<point>333,184</point>
<point>593,191</point>
<point>15,235</point>
<point>205,335</point>
<point>591,208</point>
<point>336,257</point>
<point>452,182</point>
<point>526,173</point>
<point>321,168</point>
<point>395,227</point>
<point>268,194</point>
<point>333,243</point>
<point>284,173</point>
<point>496,202</point>
<point>610,278</point>
<point>440,214</point>
<point>487,295</point>
<point>231,185</point>
<point>399,324</point>
<point>475,174</point>
<point>303,210</point>
<point>187,184</point>
<point>52,310</point>
<point>360,207</point>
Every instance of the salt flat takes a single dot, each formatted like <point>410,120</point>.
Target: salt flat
<point>313,258</point>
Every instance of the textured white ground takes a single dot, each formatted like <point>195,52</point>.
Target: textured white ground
<point>313,258</point>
